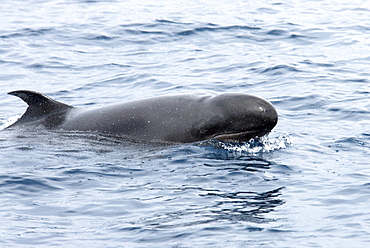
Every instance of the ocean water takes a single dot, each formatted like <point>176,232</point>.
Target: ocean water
<point>306,185</point>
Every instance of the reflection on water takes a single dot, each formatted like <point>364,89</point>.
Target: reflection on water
<point>239,206</point>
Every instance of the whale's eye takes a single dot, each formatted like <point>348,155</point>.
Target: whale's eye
<point>262,109</point>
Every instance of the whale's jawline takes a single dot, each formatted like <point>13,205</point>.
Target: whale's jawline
<point>238,136</point>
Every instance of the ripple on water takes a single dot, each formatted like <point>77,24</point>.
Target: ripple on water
<point>25,185</point>
<point>310,58</point>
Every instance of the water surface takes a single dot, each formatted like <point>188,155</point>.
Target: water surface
<point>307,185</point>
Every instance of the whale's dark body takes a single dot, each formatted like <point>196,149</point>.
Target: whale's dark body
<point>180,119</point>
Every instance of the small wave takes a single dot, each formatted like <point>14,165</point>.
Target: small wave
<point>25,184</point>
<point>309,62</point>
<point>169,21</point>
<point>144,32</point>
<point>215,28</point>
<point>99,37</point>
<point>359,144</point>
<point>26,32</point>
<point>49,65</point>
<point>279,69</point>
<point>277,32</point>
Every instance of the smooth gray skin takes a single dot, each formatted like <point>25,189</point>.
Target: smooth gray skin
<point>179,119</point>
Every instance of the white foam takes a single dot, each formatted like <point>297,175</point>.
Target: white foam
<point>262,145</point>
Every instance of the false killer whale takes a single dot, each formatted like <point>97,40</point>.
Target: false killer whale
<point>178,119</point>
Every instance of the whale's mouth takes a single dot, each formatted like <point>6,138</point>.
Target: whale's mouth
<point>241,136</point>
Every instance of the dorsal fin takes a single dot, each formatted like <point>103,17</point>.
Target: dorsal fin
<point>39,106</point>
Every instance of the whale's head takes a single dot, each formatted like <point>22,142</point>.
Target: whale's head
<point>240,117</point>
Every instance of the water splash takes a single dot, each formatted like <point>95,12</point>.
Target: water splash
<point>257,146</point>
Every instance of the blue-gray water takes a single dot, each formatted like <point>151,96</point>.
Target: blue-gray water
<point>307,185</point>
